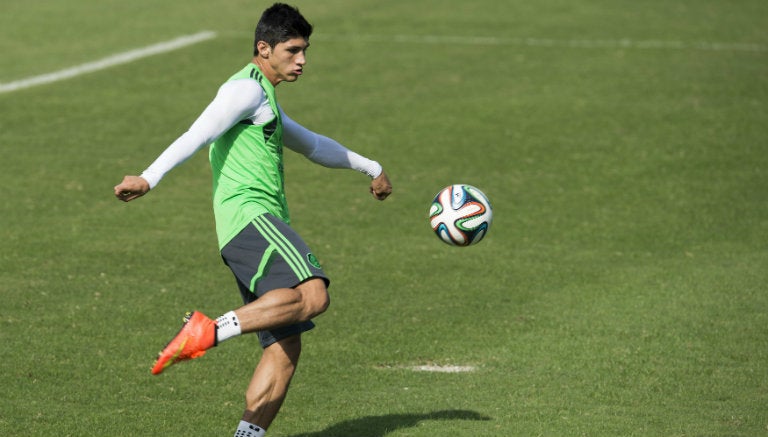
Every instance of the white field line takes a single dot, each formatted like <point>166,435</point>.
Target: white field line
<point>110,61</point>
<point>187,40</point>
<point>547,42</point>
<point>443,369</point>
<point>433,368</point>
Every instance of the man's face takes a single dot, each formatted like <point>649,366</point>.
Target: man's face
<point>288,58</point>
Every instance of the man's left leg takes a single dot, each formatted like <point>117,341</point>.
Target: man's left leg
<point>277,308</point>
<point>269,385</point>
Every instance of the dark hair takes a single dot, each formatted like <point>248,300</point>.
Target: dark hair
<point>279,23</point>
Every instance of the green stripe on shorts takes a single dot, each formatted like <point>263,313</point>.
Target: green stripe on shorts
<point>284,247</point>
<point>266,260</point>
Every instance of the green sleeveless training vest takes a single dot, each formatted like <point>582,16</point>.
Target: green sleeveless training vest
<point>247,166</point>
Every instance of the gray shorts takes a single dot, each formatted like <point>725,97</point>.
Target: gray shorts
<point>266,255</point>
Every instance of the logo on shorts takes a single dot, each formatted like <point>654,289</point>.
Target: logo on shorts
<point>313,260</point>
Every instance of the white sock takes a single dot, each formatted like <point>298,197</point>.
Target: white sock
<point>246,429</point>
<point>227,326</point>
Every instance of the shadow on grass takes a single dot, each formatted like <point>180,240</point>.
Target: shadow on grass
<point>380,426</point>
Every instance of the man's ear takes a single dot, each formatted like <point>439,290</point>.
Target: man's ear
<point>264,49</point>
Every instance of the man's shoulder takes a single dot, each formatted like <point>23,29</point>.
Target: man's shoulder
<point>243,89</point>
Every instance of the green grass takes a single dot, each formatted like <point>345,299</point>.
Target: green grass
<point>621,290</point>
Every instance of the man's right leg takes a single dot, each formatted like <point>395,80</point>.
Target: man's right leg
<point>269,385</point>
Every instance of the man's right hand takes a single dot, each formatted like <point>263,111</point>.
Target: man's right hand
<point>131,188</point>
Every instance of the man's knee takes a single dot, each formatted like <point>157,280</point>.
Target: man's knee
<point>315,297</point>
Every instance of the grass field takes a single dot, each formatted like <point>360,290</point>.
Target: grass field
<point>621,291</point>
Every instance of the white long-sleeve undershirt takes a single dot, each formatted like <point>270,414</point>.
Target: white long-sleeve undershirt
<point>244,99</point>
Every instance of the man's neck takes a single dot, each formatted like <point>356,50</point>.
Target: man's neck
<point>266,70</point>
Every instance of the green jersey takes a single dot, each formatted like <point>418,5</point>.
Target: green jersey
<point>247,166</point>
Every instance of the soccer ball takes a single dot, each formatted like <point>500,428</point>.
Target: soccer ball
<point>460,215</point>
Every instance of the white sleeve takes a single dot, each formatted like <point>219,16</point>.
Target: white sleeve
<point>325,151</point>
<point>234,101</point>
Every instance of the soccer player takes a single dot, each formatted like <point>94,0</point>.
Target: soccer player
<point>282,285</point>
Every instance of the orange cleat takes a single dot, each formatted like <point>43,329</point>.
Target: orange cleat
<point>196,336</point>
